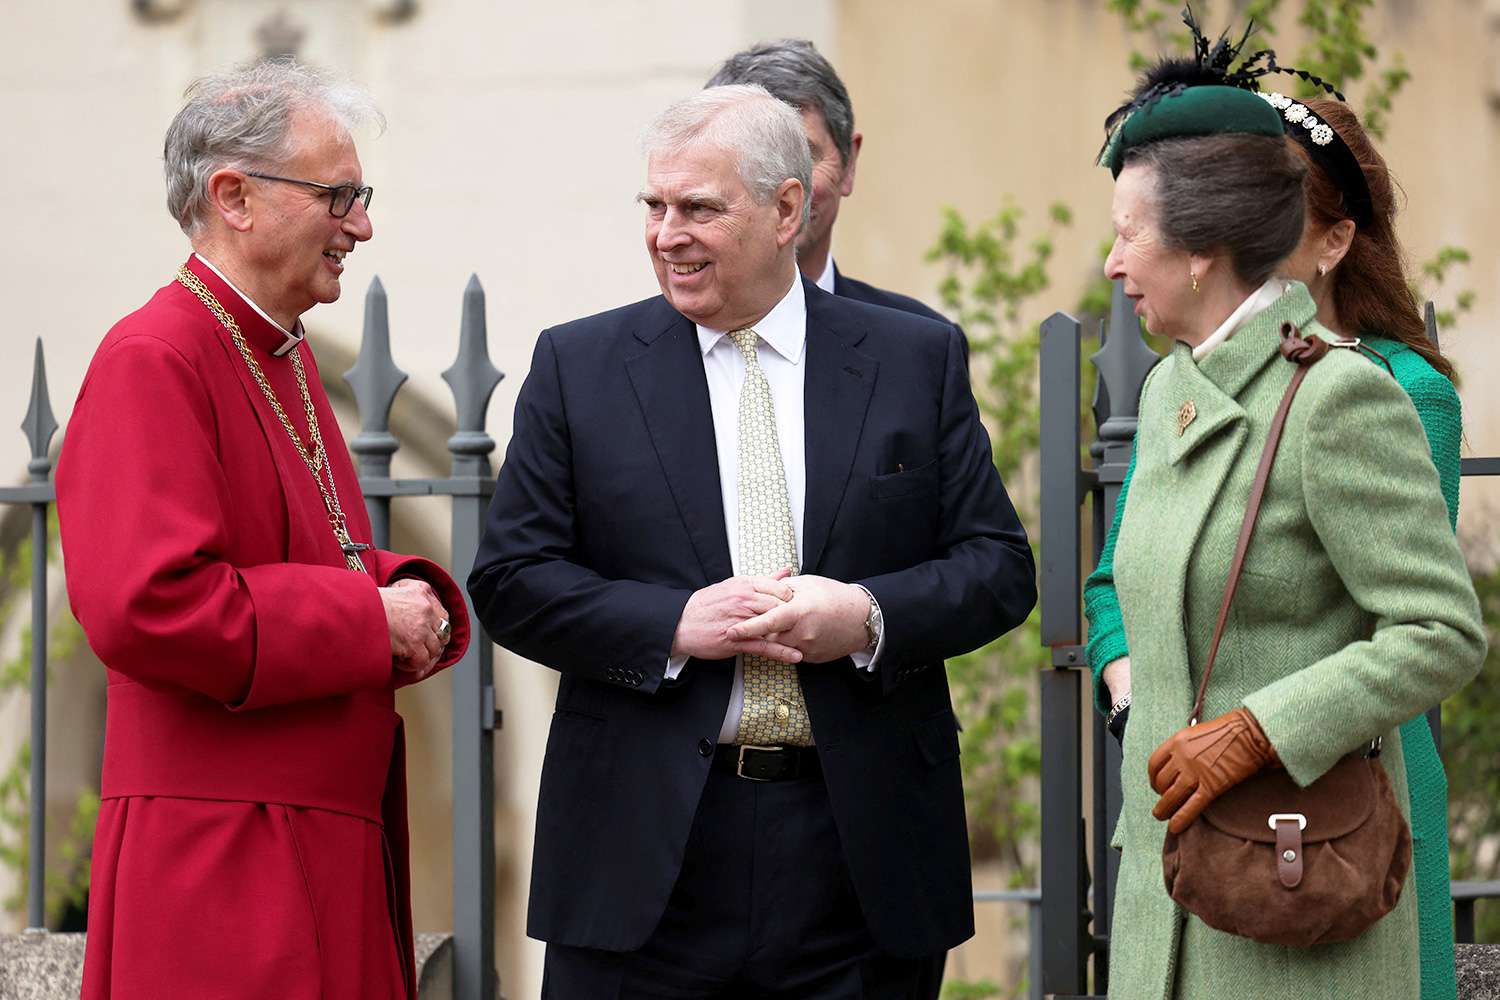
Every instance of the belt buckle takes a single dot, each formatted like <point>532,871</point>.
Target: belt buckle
<point>739,766</point>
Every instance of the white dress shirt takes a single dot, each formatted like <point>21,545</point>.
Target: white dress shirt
<point>825,280</point>
<point>293,338</point>
<point>782,352</point>
<point>1257,302</point>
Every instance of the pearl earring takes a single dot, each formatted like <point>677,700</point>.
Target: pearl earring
<point>1322,270</point>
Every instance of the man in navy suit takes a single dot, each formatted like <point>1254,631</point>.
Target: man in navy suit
<point>793,70</point>
<point>746,520</point>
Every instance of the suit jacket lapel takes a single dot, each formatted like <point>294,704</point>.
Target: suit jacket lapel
<point>836,397</point>
<point>673,394</point>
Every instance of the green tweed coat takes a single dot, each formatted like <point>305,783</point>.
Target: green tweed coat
<point>1441,413</point>
<point>1355,612</point>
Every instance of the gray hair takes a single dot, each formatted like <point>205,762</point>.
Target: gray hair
<point>793,70</point>
<point>242,119</point>
<point>763,134</point>
<point>1236,194</point>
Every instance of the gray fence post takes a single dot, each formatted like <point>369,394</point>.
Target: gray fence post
<point>375,380</point>
<point>1064,875</point>
<point>475,716</point>
<point>39,425</point>
<point>1122,362</point>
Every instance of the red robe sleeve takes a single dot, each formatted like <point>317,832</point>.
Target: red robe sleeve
<point>161,575</point>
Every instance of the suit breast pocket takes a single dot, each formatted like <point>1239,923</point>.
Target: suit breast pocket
<point>921,480</point>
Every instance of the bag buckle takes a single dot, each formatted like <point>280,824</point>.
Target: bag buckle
<point>1275,818</point>
<point>739,764</point>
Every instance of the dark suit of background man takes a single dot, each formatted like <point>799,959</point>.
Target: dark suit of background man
<point>746,521</point>
<point>794,71</point>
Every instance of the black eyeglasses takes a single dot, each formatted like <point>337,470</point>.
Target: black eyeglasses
<point>341,197</point>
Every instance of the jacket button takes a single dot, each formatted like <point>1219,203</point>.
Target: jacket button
<point>705,748</point>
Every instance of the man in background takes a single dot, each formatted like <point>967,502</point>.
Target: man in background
<point>793,70</point>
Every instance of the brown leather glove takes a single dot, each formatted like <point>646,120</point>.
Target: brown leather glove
<point>1199,763</point>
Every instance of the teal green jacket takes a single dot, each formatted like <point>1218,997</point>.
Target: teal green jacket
<point>1354,614</point>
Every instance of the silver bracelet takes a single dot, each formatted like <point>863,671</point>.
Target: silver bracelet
<point>1117,708</point>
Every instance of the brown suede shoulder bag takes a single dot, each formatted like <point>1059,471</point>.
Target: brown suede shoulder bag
<point>1269,860</point>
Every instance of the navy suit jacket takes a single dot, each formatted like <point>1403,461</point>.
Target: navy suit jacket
<point>607,515</point>
<point>863,291</point>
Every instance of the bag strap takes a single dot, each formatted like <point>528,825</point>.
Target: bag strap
<point>1304,352</point>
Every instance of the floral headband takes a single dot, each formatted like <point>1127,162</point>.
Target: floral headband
<point>1329,151</point>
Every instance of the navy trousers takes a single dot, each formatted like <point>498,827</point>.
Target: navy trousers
<point>762,910</point>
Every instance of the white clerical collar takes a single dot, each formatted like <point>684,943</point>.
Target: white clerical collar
<point>1257,303</point>
<point>784,327</point>
<point>292,339</point>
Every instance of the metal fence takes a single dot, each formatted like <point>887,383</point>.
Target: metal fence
<point>375,380</point>
<point>1078,898</point>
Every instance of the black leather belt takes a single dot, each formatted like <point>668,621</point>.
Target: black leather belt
<point>756,763</point>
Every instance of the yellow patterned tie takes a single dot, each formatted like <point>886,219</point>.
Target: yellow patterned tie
<point>773,711</point>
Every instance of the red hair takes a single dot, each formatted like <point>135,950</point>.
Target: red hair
<point>1370,290</point>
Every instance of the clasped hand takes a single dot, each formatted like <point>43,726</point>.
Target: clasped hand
<point>784,617</point>
<point>413,616</point>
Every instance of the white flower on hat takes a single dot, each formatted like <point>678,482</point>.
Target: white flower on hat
<point>1295,113</point>
<point>1322,135</point>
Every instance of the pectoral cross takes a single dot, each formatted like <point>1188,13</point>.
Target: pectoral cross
<point>350,547</point>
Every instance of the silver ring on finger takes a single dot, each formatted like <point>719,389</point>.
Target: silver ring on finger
<point>444,631</point>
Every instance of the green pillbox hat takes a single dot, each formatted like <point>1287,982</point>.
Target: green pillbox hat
<point>1206,110</point>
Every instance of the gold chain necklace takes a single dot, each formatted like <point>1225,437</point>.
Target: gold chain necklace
<point>316,460</point>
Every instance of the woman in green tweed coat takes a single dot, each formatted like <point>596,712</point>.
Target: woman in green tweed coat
<point>1353,270</point>
<point>1355,611</point>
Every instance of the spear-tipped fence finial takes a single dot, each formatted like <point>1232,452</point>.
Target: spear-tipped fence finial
<point>375,380</point>
<point>1123,363</point>
<point>39,423</point>
<point>473,380</point>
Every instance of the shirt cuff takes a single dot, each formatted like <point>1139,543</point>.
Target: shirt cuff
<point>675,665</point>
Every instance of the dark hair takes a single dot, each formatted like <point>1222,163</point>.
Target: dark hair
<point>1236,194</point>
<point>1370,290</point>
<point>794,71</point>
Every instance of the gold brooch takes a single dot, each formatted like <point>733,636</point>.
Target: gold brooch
<point>1185,416</point>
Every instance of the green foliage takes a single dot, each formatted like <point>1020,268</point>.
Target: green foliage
<point>991,272</point>
<point>1430,285</point>
<point>1471,746</point>
<point>983,989</point>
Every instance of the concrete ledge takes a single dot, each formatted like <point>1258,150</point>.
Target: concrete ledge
<point>50,966</point>
<point>1478,971</point>
<point>41,966</point>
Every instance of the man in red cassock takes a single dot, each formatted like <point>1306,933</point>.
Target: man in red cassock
<point>252,840</point>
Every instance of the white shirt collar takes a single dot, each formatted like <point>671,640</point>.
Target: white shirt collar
<point>293,338</point>
<point>1257,303</point>
<point>784,327</point>
<point>825,280</point>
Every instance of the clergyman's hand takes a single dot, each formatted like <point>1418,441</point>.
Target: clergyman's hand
<point>413,616</point>
<point>825,619</point>
<point>703,629</point>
